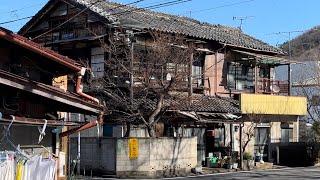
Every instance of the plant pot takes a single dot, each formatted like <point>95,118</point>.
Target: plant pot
<point>235,166</point>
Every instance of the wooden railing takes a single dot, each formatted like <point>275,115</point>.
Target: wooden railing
<point>270,86</point>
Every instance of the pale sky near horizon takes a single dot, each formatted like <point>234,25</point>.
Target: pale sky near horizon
<point>265,18</point>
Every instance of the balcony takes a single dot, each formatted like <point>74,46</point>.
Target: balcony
<point>270,86</point>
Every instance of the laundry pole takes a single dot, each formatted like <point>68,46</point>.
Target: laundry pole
<point>79,147</point>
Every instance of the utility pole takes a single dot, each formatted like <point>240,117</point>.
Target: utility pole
<point>241,19</point>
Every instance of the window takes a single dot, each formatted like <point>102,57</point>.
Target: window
<point>286,135</point>
<point>262,136</point>
<point>60,11</point>
<point>197,71</point>
<point>97,62</point>
<point>240,77</point>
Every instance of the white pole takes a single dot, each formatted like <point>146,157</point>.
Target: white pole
<point>79,147</point>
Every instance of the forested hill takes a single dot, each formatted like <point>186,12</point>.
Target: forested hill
<point>306,46</point>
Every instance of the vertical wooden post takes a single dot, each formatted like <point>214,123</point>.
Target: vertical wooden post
<point>278,154</point>
<point>241,153</point>
<point>190,75</point>
<point>215,74</point>
<point>131,72</point>
<point>231,136</point>
<point>255,79</point>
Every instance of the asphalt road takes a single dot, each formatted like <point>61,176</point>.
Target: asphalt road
<point>307,173</point>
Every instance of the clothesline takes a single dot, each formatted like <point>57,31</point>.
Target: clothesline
<point>41,146</point>
<point>37,122</point>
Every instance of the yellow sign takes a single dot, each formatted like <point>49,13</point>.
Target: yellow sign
<point>133,148</point>
<point>271,104</point>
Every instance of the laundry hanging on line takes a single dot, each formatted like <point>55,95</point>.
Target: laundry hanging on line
<point>7,166</point>
<point>34,168</point>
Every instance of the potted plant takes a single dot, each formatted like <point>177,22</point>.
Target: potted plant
<point>229,162</point>
<point>248,162</point>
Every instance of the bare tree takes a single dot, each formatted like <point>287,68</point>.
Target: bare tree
<point>307,84</point>
<point>249,129</point>
<point>140,73</point>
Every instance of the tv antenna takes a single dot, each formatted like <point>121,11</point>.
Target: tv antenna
<point>241,19</point>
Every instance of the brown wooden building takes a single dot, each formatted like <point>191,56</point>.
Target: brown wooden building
<point>226,66</point>
<point>34,93</point>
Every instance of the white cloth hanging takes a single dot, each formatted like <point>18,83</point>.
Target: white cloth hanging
<point>39,169</point>
<point>7,169</point>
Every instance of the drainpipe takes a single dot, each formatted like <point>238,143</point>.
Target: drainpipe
<point>86,126</point>
<point>79,87</point>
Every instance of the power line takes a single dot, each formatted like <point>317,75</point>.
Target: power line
<point>15,20</point>
<point>222,6</point>
<point>156,6</point>
<point>23,8</point>
<point>76,16</point>
<point>66,21</point>
<point>151,7</point>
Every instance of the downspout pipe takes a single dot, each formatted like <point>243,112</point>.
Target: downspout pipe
<point>79,87</point>
<point>86,126</point>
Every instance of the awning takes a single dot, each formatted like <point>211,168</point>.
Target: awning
<point>265,59</point>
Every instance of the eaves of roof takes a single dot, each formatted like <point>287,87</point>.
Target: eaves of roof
<point>37,48</point>
<point>147,19</point>
<point>50,92</point>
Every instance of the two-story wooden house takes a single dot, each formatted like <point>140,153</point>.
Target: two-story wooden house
<point>34,93</point>
<point>229,75</point>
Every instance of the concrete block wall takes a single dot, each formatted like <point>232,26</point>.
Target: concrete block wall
<point>158,157</point>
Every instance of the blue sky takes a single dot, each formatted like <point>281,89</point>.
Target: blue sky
<point>265,17</point>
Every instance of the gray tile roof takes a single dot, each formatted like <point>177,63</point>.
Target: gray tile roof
<point>147,19</point>
<point>200,103</point>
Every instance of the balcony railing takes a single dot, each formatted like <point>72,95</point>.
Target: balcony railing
<point>270,86</point>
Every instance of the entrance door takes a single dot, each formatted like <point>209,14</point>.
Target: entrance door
<point>262,141</point>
